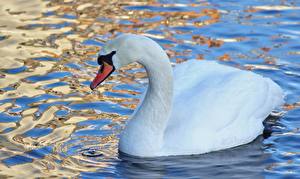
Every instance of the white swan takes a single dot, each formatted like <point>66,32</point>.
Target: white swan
<point>210,107</point>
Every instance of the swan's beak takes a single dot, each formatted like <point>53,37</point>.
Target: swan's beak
<point>104,72</point>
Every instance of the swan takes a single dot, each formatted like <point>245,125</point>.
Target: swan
<point>194,108</point>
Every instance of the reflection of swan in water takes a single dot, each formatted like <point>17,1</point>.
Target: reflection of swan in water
<point>245,161</point>
<point>211,107</point>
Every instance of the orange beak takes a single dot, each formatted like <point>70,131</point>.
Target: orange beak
<point>104,72</point>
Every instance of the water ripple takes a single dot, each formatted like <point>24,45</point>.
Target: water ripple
<point>52,125</point>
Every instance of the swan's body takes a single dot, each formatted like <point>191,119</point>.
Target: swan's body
<point>200,107</point>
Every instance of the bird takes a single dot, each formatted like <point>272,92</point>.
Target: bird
<point>196,107</point>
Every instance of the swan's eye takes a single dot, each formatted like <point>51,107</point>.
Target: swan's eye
<point>106,58</point>
<point>101,68</point>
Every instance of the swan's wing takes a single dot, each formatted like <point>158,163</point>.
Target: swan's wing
<point>219,106</point>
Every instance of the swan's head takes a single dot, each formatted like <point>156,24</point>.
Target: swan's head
<point>106,68</point>
<point>116,53</point>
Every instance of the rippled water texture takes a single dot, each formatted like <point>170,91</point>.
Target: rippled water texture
<point>51,124</point>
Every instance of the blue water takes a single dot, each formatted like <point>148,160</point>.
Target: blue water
<point>52,125</point>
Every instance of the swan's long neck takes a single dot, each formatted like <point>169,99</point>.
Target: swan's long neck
<point>143,134</point>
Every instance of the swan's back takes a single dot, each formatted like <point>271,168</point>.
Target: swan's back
<point>217,107</point>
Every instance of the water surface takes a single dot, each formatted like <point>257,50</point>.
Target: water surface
<point>52,125</point>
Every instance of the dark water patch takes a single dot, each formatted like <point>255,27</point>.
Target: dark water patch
<point>26,102</point>
<point>38,132</point>
<point>295,47</point>
<point>155,32</point>
<point>62,113</point>
<point>125,22</point>
<point>4,118</point>
<point>163,41</point>
<point>49,76</point>
<point>93,42</point>
<point>153,19</point>
<point>93,132</point>
<point>93,63</point>
<point>53,85</point>
<point>43,107</point>
<point>270,12</point>
<point>69,16</point>
<point>17,160</point>
<point>41,152</point>
<point>9,88</point>
<point>28,157</point>
<point>293,117</point>
<point>46,59</point>
<point>186,29</point>
<point>3,37</point>
<point>7,130</point>
<point>86,83</point>
<point>16,109</point>
<point>74,66</point>
<point>98,122</point>
<point>16,70</point>
<point>3,101</point>
<point>288,142</point>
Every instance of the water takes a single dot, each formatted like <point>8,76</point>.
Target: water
<point>51,124</point>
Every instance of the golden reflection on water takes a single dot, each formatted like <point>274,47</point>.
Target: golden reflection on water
<point>45,37</point>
